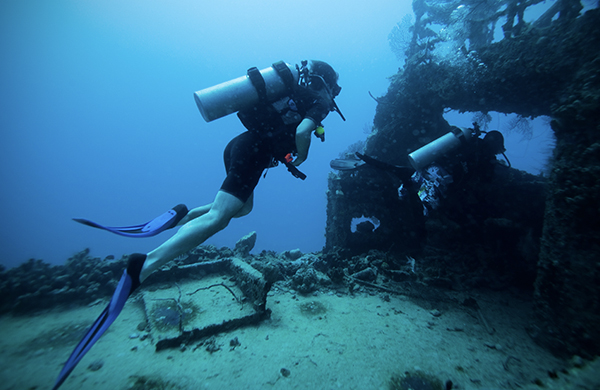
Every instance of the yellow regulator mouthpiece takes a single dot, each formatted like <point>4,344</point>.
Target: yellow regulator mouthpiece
<point>320,131</point>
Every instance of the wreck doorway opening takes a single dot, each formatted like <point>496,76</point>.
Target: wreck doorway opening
<point>370,223</point>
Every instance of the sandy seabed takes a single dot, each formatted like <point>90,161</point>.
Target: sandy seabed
<point>359,342</point>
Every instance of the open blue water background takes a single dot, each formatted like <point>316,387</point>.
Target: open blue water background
<point>98,120</point>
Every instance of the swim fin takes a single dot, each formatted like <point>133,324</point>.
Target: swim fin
<point>159,224</point>
<point>402,172</point>
<point>347,164</point>
<point>129,282</point>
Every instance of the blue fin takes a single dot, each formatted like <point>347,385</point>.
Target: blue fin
<point>129,282</point>
<point>159,224</point>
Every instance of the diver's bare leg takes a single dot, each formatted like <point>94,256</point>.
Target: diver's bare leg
<point>195,213</point>
<point>200,211</point>
<point>246,208</point>
<point>194,233</point>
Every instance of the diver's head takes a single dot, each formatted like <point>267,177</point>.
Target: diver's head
<point>321,74</point>
<point>321,77</point>
<point>494,142</point>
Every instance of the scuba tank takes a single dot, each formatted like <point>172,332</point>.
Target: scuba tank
<point>422,157</point>
<point>266,85</point>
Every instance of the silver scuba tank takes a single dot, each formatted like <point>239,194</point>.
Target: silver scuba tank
<point>425,155</point>
<point>242,93</point>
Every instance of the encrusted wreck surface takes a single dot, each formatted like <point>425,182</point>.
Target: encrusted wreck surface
<point>527,230</point>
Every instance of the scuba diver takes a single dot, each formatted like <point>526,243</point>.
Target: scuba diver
<point>473,161</point>
<point>433,167</point>
<point>447,173</point>
<point>280,107</point>
<point>275,131</point>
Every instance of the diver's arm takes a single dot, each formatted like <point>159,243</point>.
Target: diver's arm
<point>303,132</point>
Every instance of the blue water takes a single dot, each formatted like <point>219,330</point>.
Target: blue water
<point>98,118</point>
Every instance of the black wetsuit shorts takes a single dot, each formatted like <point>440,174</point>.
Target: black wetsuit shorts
<point>250,153</point>
<point>246,157</point>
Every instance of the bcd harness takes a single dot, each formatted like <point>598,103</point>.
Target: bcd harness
<point>273,114</point>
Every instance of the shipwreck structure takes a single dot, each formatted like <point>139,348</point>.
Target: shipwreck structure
<point>535,232</point>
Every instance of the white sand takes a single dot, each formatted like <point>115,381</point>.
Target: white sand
<point>357,344</point>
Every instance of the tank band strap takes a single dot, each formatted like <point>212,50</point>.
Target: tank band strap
<point>258,82</point>
<point>460,135</point>
<point>285,73</point>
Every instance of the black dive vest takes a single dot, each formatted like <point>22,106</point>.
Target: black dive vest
<point>267,118</point>
<point>271,119</point>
